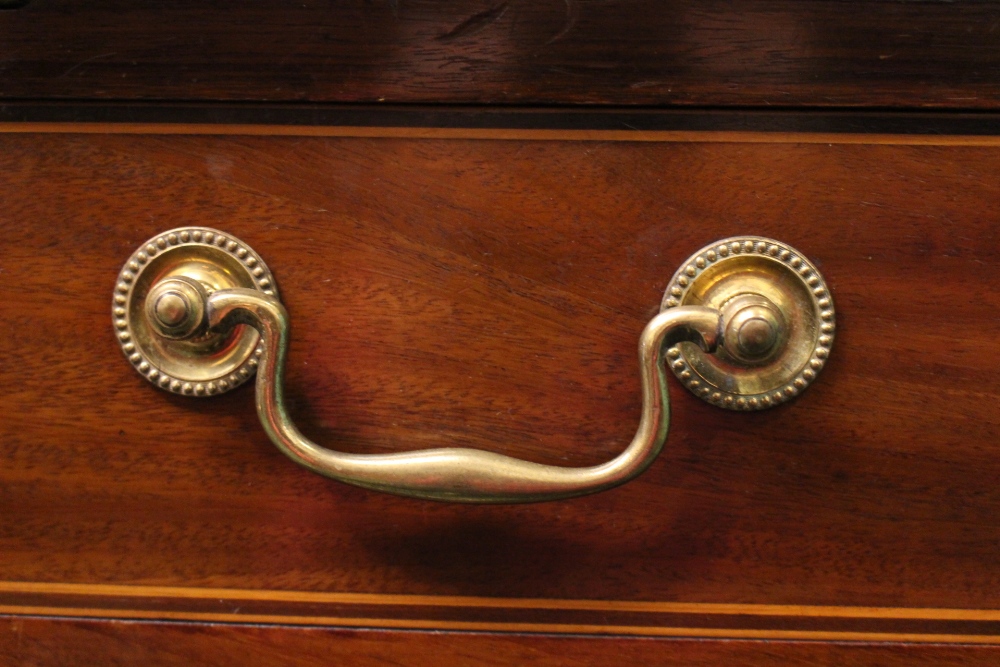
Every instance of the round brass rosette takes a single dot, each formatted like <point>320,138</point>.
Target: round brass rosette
<point>158,310</point>
<point>778,322</point>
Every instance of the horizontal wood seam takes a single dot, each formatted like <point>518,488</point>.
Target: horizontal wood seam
<point>645,136</point>
<point>555,628</point>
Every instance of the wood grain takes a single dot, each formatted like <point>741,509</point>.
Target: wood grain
<point>489,294</point>
<point>42,642</point>
<point>770,53</point>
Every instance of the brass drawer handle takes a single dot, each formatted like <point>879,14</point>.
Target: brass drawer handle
<point>746,323</point>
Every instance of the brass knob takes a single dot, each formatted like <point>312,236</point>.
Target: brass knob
<point>753,328</point>
<point>175,308</point>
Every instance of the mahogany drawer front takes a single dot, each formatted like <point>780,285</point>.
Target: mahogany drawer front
<point>488,292</point>
<point>768,53</point>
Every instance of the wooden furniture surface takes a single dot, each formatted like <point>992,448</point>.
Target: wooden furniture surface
<point>44,641</point>
<point>472,208</point>
<point>486,288</point>
<point>709,53</point>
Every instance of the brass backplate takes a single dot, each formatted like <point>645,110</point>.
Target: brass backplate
<point>748,269</point>
<point>206,364</point>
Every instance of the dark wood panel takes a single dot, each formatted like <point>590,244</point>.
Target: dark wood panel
<point>873,53</point>
<point>41,642</point>
<point>490,294</point>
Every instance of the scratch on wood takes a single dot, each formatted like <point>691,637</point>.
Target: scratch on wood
<point>572,14</point>
<point>84,62</point>
<point>474,23</point>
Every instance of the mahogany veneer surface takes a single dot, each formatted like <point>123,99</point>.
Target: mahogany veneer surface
<point>766,53</point>
<point>33,642</point>
<point>489,293</point>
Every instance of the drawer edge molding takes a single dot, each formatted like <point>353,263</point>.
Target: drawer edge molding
<point>522,615</point>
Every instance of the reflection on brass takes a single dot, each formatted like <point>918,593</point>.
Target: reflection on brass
<point>196,311</point>
<point>175,308</point>
<point>778,322</point>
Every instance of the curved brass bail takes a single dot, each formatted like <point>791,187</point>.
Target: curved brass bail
<point>453,474</point>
